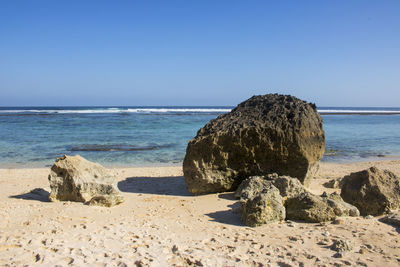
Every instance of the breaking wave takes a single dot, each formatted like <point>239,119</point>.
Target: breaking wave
<point>115,110</point>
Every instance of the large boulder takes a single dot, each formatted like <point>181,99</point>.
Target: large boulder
<point>372,191</point>
<point>266,134</point>
<point>263,207</point>
<point>73,178</point>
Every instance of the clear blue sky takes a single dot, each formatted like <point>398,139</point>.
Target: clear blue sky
<point>333,53</point>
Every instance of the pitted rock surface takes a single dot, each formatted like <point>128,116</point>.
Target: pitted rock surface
<point>73,178</point>
<point>372,191</point>
<point>262,207</point>
<point>265,134</point>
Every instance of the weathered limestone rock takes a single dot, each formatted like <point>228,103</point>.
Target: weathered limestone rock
<point>341,208</point>
<point>372,191</point>
<point>309,208</point>
<point>265,134</point>
<point>263,208</point>
<point>73,178</point>
<point>251,187</point>
<point>287,186</point>
<point>299,203</point>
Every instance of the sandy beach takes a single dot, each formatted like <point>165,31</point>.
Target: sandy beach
<point>161,224</point>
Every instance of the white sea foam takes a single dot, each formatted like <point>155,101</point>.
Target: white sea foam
<point>120,110</point>
<point>356,111</point>
<point>166,110</point>
<point>178,110</point>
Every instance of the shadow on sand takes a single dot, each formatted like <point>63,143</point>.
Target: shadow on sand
<point>231,216</point>
<point>38,194</point>
<point>176,186</point>
<point>171,186</point>
<point>393,223</point>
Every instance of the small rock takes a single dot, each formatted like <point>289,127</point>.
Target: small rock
<point>338,221</point>
<point>323,242</point>
<point>291,224</point>
<point>174,249</point>
<point>326,233</point>
<point>334,183</point>
<point>37,257</point>
<point>342,246</point>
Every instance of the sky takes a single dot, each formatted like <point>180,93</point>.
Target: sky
<point>94,52</point>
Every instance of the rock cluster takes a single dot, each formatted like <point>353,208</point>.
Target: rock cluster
<point>372,191</point>
<point>73,178</point>
<point>270,198</point>
<point>264,134</point>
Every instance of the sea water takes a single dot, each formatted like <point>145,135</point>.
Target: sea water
<point>148,136</point>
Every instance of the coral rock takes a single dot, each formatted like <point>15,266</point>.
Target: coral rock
<point>73,178</point>
<point>263,135</point>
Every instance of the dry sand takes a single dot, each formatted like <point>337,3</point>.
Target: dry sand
<point>161,224</point>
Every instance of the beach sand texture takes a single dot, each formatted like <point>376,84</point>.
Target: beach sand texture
<point>161,224</point>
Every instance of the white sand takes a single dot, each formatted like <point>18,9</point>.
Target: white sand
<point>161,224</point>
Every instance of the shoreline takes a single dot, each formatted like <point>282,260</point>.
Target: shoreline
<point>164,165</point>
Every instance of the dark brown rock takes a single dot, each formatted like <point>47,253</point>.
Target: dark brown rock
<point>265,134</point>
<point>372,191</point>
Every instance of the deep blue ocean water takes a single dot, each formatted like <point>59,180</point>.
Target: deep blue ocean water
<point>141,136</point>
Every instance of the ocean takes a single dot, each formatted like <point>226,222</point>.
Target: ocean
<point>156,136</point>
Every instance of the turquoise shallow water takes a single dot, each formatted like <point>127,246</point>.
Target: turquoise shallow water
<point>139,136</point>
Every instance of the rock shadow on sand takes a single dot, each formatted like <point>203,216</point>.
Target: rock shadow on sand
<point>170,186</point>
<point>231,216</point>
<point>38,194</point>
